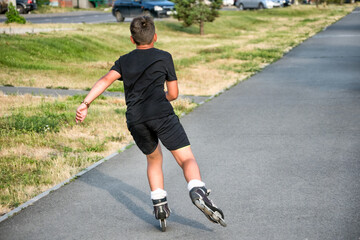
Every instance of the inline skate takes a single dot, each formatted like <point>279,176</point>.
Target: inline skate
<point>161,211</point>
<point>199,197</point>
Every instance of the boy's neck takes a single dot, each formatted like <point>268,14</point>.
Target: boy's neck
<point>146,46</point>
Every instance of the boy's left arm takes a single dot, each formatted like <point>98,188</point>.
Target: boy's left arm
<point>172,90</point>
<point>99,87</point>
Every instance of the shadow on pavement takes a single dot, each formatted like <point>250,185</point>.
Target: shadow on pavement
<point>120,190</point>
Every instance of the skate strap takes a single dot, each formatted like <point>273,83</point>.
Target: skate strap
<point>160,204</point>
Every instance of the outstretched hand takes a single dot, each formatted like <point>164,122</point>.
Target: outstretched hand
<point>81,113</point>
<point>99,87</point>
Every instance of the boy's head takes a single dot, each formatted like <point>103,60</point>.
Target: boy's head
<point>142,30</point>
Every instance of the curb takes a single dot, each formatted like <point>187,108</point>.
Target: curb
<point>47,192</point>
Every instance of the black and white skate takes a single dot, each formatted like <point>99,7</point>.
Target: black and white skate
<point>161,211</point>
<point>199,197</point>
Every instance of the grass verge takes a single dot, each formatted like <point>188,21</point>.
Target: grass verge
<point>41,146</point>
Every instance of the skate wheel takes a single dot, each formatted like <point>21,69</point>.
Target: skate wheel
<point>222,222</point>
<point>218,216</point>
<point>200,204</point>
<point>215,216</point>
<point>163,225</point>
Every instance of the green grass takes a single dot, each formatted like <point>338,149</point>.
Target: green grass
<point>78,58</point>
<point>48,52</point>
<point>57,56</point>
<point>247,67</point>
<point>46,117</point>
<point>20,171</point>
<point>117,86</point>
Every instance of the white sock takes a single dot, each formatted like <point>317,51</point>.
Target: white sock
<point>158,194</point>
<point>195,183</point>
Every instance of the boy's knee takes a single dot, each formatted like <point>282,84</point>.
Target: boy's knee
<point>155,154</point>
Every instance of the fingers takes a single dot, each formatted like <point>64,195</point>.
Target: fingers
<point>80,114</point>
<point>79,117</point>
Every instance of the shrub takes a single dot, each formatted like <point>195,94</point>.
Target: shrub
<point>197,11</point>
<point>13,15</point>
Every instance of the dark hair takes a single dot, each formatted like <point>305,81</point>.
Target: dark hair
<point>142,30</point>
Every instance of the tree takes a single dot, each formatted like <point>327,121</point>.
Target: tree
<point>13,3</point>
<point>13,16</point>
<point>197,12</point>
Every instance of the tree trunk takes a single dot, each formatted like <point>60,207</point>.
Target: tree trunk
<point>201,27</point>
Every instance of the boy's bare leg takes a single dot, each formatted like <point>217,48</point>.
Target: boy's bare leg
<point>198,193</point>
<point>186,160</point>
<point>156,182</point>
<point>154,169</point>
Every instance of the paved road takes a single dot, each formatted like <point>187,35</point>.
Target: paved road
<point>78,17</point>
<point>70,17</point>
<point>281,153</point>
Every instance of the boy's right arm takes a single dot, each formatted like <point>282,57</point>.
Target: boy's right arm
<point>100,86</point>
<point>172,90</point>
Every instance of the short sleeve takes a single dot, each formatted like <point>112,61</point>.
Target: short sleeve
<point>117,67</point>
<point>171,74</point>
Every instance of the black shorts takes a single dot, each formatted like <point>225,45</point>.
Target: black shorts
<point>168,129</point>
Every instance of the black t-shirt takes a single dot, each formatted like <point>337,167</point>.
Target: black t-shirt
<point>144,73</point>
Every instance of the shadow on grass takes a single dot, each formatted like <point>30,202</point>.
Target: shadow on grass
<point>178,27</point>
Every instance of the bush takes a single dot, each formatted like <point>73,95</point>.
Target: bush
<point>41,3</point>
<point>13,15</point>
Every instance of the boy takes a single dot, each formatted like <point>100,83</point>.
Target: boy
<point>150,116</point>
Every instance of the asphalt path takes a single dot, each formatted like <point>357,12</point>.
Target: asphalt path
<point>281,152</point>
<point>69,17</point>
<point>71,92</point>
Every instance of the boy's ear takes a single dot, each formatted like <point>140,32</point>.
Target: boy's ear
<point>155,37</point>
<point>132,40</point>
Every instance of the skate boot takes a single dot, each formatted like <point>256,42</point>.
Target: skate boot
<point>199,197</point>
<point>161,211</point>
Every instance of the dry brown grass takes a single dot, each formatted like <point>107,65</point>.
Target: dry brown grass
<point>59,155</point>
<point>207,80</point>
<point>12,102</point>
